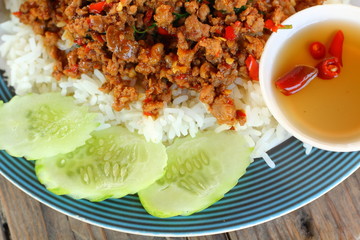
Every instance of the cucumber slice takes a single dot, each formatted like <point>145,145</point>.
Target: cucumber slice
<point>37,126</point>
<point>112,164</point>
<point>199,172</point>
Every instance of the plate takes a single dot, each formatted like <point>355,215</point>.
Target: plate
<point>261,195</point>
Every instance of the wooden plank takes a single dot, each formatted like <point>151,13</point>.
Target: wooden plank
<point>84,231</point>
<point>4,228</point>
<point>333,216</point>
<point>341,211</point>
<point>57,225</point>
<point>211,237</point>
<point>23,214</point>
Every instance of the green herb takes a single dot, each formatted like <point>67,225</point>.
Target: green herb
<point>88,36</point>
<point>145,30</point>
<point>286,27</point>
<point>140,34</point>
<point>180,15</point>
<point>240,10</point>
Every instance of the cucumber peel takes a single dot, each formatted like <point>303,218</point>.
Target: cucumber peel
<point>43,125</point>
<point>200,171</point>
<point>112,164</point>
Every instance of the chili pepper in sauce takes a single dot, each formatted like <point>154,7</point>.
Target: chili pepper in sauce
<point>296,79</point>
<point>253,67</point>
<point>336,46</point>
<point>317,50</point>
<point>229,33</point>
<point>329,68</point>
<point>97,7</point>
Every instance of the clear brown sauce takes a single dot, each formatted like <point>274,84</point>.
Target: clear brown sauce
<point>328,109</point>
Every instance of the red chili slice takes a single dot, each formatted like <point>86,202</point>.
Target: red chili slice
<point>218,14</point>
<point>317,50</point>
<point>148,114</point>
<point>74,68</point>
<point>240,114</point>
<point>79,41</point>
<point>329,68</point>
<point>100,38</point>
<point>336,47</point>
<point>17,14</point>
<point>295,80</point>
<point>230,33</point>
<point>163,31</point>
<point>148,16</point>
<point>87,49</point>
<point>269,24</point>
<point>97,7</point>
<point>252,67</point>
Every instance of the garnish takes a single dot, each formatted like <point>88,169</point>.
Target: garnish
<point>111,164</point>
<point>43,125</point>
<point>195,170</point>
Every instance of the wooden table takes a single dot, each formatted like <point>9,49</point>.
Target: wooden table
<point>335,215</point>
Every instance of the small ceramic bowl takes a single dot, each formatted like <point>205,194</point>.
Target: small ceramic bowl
<point>299,21</point>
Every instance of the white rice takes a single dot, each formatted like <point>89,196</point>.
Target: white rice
<point>29,69</point>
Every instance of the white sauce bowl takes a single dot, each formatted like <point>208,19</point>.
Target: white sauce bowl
<point>299,21</point>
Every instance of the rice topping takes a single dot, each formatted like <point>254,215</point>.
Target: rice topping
<point>151,46</point>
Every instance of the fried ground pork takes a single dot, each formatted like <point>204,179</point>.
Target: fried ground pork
<point>202,45</point>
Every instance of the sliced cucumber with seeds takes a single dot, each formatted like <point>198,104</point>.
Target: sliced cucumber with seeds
<point>112,164</point>
<point>37,126</point>
<point>199,172</point>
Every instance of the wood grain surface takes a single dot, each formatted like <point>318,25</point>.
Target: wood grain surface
<point>335,215</point>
